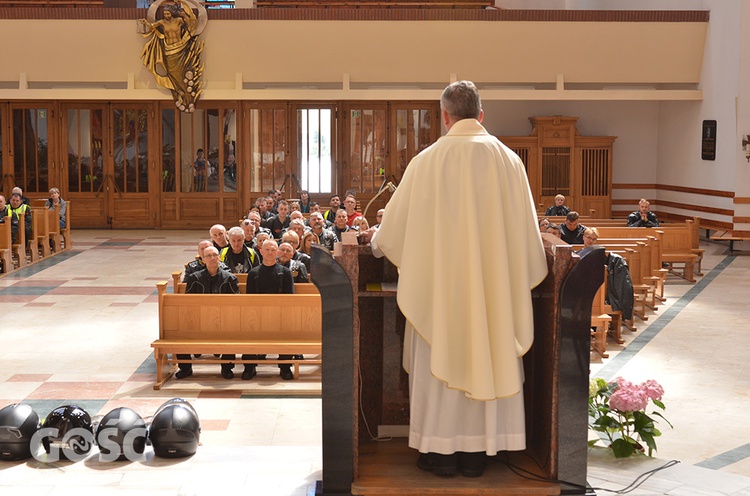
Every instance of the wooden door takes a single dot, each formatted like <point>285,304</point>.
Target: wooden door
<point>109,165</point>
<point>198,197</point>
<point>31,148</point>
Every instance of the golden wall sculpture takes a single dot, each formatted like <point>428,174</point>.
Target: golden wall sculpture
<point>173,51</point>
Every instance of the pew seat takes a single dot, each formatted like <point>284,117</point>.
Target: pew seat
<point>235,324</point>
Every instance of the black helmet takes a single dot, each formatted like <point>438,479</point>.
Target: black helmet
<point>18,424</point>
<point>175,429</point>
<point>117,434</point>
<point>66,419</point>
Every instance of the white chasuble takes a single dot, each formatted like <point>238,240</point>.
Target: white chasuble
<point>462,229</point>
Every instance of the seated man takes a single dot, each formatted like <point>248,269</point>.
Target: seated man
<point>335,203</point>
<point>350,205</point>
<point>379,217</point>
<point>198,264</point>
<point>219,236</point>
<point>18,190</point>
<point>260,203</point>
<point>215,281</point>
<point>298,226</point>
<point>259,239</point>
<point>339,225</point>
<point>293,239</point>
<point>238,257</point>
<point>269,278</point>
<point>643,217</point>
<point>22,209</point>
<point>571,231</point>
<point>286,258</point>
<point>318,226</point>
<point>279,222</point>
<point>248,229</point>
<point>257,221</point>
<point>7,212</point>
<point>558,209</point>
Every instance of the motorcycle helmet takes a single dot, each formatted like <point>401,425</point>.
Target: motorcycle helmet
<point>175,429</point>
<point>18,424</point>
<point>71,422</point>
<point>116,433</point>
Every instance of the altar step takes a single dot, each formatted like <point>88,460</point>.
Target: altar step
<point>389,468</point>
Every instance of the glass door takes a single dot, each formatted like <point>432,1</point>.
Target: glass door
<point>315,132</point>
<point>30,150</point>
<point>108,165</point>
<point>201,166</point>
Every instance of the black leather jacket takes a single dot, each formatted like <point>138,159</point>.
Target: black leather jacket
<point>619,286</point>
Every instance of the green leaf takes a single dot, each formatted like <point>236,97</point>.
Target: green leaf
<point>621,448</point>
<point>659,404</point>
<point>664,419</point>
<point>649,440</point>
<point>608,422</point>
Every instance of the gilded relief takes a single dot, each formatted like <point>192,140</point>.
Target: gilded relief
<point>173,52</point>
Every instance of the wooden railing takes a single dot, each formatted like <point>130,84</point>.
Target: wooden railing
<point>51,3</point>
<point>379,4</point>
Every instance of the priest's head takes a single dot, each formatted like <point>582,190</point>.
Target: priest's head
<point>460,100</point>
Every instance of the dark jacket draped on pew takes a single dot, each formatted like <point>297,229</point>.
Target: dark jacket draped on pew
<point>619,286</point>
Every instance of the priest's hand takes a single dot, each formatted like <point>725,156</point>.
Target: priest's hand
<point>366,236</point>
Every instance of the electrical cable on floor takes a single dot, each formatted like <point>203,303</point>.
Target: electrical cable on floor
<point>526,474</point>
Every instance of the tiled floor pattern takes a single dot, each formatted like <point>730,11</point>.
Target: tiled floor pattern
<point>78,329</point>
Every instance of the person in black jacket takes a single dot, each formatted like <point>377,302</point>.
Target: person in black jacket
<point>558,209</point>
<point>643,217</point>
<point>571,230</point>
<point>215,281</point>
<point>269,278</point>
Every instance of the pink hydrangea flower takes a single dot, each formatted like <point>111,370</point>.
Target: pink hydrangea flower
<point>653,389</point>
<point>629,399</point>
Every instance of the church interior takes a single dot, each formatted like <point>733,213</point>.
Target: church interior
<point>606,101</point>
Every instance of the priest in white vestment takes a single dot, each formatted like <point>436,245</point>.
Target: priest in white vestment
<point>469,318</point>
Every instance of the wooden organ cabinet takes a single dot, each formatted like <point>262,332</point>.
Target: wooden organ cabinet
<point>560,161</point>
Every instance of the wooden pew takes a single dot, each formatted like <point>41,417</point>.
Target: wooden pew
<point>6,247</point>
<point>696,242</point>
<point>53,223</point>
<point>675,240</point>
<point>600,321</point>
<point>299,287</point>
<point>235,324</point>
<point>728,236</point>
<point>19,247</point>
<point>65,238</point>
<point>39,242</point>
<point>677,251</point>
<point>633,254</point>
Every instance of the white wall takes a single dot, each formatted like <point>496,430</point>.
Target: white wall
<point>635,124</point>
<point>603,4</point>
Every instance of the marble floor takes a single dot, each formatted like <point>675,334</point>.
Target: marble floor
<point>79,325</point>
